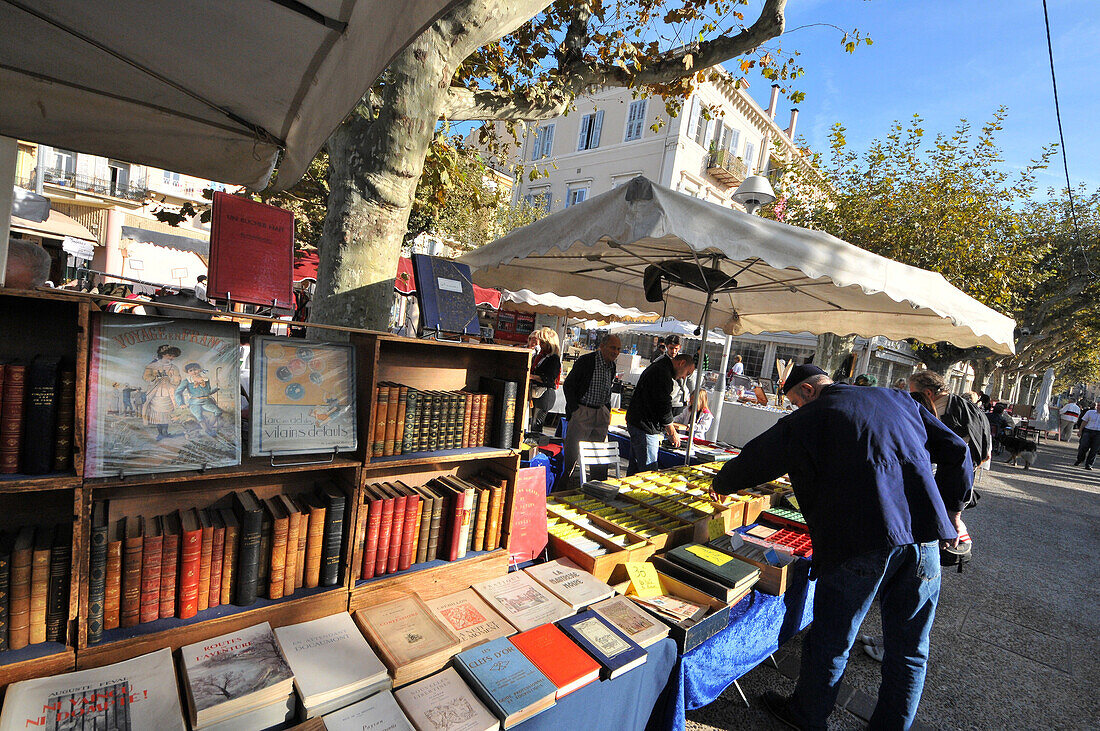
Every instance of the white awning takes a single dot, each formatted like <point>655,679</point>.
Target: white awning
<point>77,247</point>
<point>549,303</point>
<point>56,226</point>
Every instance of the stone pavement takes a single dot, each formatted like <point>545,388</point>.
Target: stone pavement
<point>1016,643</point>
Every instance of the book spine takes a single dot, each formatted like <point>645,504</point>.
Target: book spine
<point>152,553</point>
<point>19,603</point>
<point>391,420</point>
<point>381,402</point>
<point>333,540</point>
<point>467,498</point>
<point>370,545</point>
<point>423,420</point>
<point>314,544</point>
<point>130,615</point>
<point>11,418</point>
<point>454,437</point>
<point>248,557</point>
<point>435,528</point>
<point>57,597</point>
<point>217,565</point>
<point>206,553</point>
<point>501,510</point>
<point>435,422</point>
<point>408,533</point>
<point>424,536</point>
<point>481,532</point>
<point>408,437</point>
<point>492,537</point>
<point>5,583</point>
<point>385,528</point>
<point>486,416</point>
<point>303,537</point>
<point>229,563</point>
<point>190,558</point>
<point>467,419</point>
<point>402,408</point>
<point>277,575</point>
<point>66,417</point>
<point>471,534</point>
<point>97,582</point>
<point>112,590</point>
<point>397,534</point>
<point>417,525</point>
<point>40,416</point>
<point>169,565</point>
<point>508,423</point>
<point>290,574</point>
<point>40,582</point>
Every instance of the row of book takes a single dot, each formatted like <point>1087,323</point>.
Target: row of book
<point>408,420</point>
<point>443,519</point>
<point>145,568</point>
<point>35,564</point>
<point>37,414</point>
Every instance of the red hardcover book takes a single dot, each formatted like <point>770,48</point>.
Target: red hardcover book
<point>190,558</point>
<point>475,419</point>
<point>385,530</point>
<point>151,555</point>
<point>525,518</point>
<point>11,418</point>
<point>130,613</point>
<point>559,658</point>
<point>294,524</point>
<point>170,530</point>
<point>397,532</point>
<point>279,526</point>
<point>244,233</point>
<point>112,591</point>
<point>314,541</point>
<point>217,557</point>
<point>206,554</point>
<point>372,503</point>
<point>411,525</point>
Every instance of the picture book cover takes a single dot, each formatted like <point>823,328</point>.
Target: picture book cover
<point>522,601</point>
<point>380,712</point>
<point>633,621</point>
<point>128,696</point>
<point>570,583</point>
<point>302,397</point>
<point>506,680</point>
<point>604,642</point>
<point>443,702</point>
<point>163,395</point>
<point>470,618</point>
<point>404,630</point>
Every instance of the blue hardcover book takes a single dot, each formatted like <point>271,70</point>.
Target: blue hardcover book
<point>446,296</point>
<point>509,683</point>
<point>608,646</point>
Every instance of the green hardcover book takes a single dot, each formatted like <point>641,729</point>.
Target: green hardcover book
<point>423,417</point>
<point>727,570</point>
<point>452,408</point>
<point>409,438</point>
<point>435,441</point>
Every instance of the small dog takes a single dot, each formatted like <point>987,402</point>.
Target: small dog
<point>1019,448</point>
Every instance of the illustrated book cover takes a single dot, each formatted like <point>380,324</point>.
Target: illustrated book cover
<point>612,649</point>
<point>468,616</point>
<point>522,601</point>
<point>633,621</point>
<point>443,702</point>
<point>509,683</point>
<point>570,583</point>
<point>410,640</point>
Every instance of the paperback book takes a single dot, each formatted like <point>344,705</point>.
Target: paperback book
<point>410,640</point>
<point>468,616</point>
<point>612,649</point>
<point>522,601</point>
<point>509,683</point>
<point>570,583</point>
<point>443,702</point>
<point>379,712</point>
<point>560,659</point>
<point>633,621</point>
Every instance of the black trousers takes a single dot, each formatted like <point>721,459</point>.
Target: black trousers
<point>1090,445</point>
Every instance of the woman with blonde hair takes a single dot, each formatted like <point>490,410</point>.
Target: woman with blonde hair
<point>545,373</point>
<point>703,417</point>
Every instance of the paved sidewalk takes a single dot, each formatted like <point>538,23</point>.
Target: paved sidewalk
<point>1016,643</point>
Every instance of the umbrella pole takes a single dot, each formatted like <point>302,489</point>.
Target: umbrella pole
<point>698,378</point>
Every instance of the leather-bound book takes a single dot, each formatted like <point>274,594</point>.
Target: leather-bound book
<point>381,404</point>
<point>229,562</point>
<point>410,431</point>
<point>435,423</point>
<point>152,548</point>
<point>467,414</point>
<point>279,526</point>
<point>475,419</point>
<point>450,524</point>
<point>217,557</point>
<point>40,415</point>
<point>132,546</point>
<point>57,592</point>
<point>481,526</point>
<point>293,525</point>
<point>97,571</point>
<point>303,540</point>
<point>11,418</point>
<point>66,417</point>
<point>427,501</point>
<point>206,553</point>
<point>437,529</point>
<point>488,403</point>
<point>112,592</point>
<point>499,485</point>
<point>391,419</point>
<point>410,527</point>
<point>399,428</point>
<point>423,419</point>
<point>40,582</point>
<point>7,541</point>
<point>397,533</point>
<point>171,531</point>
<point>471,534</point>
<point>190,561</point>
<point>454,420</point>
<point>19,602</point>
<point>373,505</point>
<point>335,501</point>
<point>249,512</point>
<point>462,516</point>
<point>315,539</point>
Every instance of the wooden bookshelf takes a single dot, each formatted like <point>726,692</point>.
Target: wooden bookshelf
<point>431,579</point>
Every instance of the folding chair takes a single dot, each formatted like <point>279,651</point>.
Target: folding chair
<point>598,453</point>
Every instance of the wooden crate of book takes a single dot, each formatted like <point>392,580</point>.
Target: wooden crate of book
<point>728,516</point>
<point>638,546</point>
<point>591,551</point>
<point>661,530</point>
<point>756,501</point>
<point>671,507</point>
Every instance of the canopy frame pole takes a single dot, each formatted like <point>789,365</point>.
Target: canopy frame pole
<point>9,150</point>
<point>698,377</point>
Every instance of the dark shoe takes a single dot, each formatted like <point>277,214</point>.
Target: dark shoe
<point>780,708</point>
<point>1077,463</point>
<point>1088,467</point>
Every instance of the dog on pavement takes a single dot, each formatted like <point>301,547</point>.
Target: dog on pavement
<point>1019,448</point>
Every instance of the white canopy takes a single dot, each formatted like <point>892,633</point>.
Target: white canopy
<point>666,326</point>
<point>213,89</point>
<point>788,278</point>
<point>549,303</point>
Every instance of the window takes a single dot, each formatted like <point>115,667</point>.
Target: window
<point>120,175</point>
<point>702,127</point>
<point>576,195</point>
<point>538,199</point>
<point>752,355</point>
<point>544,142</point>
<point>730,139</point>
<point>750,156</point>
<point>591,126</point>
<point>800,355</point>
<point>172,179</point>
<point>64,160</point>
<point>635,120</point>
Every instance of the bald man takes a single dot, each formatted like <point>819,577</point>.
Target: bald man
<point>28,265</point>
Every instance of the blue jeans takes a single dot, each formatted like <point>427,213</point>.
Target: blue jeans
<point>643,450</point>
<point>907,579</point>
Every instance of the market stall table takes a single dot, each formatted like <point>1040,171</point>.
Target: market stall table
<point>741,422</point>
<point>666,456</point>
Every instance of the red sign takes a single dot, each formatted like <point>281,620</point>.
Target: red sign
<point>251,252</point>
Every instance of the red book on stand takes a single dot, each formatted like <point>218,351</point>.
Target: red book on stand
<point>526,519</point>
<point>190,557</point>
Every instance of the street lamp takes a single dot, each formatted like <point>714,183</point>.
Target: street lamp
<point>754,192</point>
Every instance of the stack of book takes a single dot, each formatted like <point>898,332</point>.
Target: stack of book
<point>444,519</point>
<point>506,681</point>
<point>379,712</point>
<point>333,665</point>
<point>238,680</point>
<point>144,568</point>
<point>37,410</point>
<point>35,566</point>
<point>408,637</point>
<point>729,571</point>
<point>444,701</point>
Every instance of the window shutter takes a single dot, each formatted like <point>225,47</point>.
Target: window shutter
<point>547,140</point>
<point>582,138</point>
<point>597,128</point>
<point>693,118</point>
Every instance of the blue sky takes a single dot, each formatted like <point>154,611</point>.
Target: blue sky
<point>946,60</point>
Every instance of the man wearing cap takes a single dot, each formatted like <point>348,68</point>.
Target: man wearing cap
<point>860,461</point>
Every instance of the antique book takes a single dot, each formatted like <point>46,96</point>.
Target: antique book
<point>408,637</point>
<point>335,500</point>
<point>188,372</point>
<point>171,530</point>
<point>206,557</point>
<point>217,557</point>
<point>391,420</point>
<point>487,405</point>
<point>386,526</point>
<point>40,415</point>
<point>469,618</point>
<point>230,675</point>
<point>187,603</point>
<point>475,505</point>
<point>522,601</point>
<point>467,419</point>
<point>40,578</point>
<point>372,504</point>
<point>314,540</point>
<point>397,533</point>
<point>249,512</point>
<point>97,571</point>
<point>411,525</point>
<point>444,702</point>
<point>399,431</point>
<point>152,548</point>
<point>633,621</point>
<point>497,486</point>
<point>435,421</point>
<point>423,420</point>
<point>481,529</point>
<point>11,418</point>
<point>229,562</point>
<point>674,608</point>
<point>66,418</point>
<point>463,515</point>
<point>19,601</point>
<point>558,658</point>
<point>450,525</point>
<point>451,420</point>
<point>436,528</point>
<point>509,683</point>
<point>409,430</point>
<point>727,570</point>
<point>501,427</point>
<point>7,541</point>
<point>331,662</point>
<point>527,538</point>
<point>280,527</point>
<point>112,592</point>
<point>294,524</point>
<point>612,649</point>
<point>423,535</point>
<point>303,539</point>
<point>570,583</point>
<point>381,405</point>
<point>379,712</point>
<point>132,550</point>
<point>134,694</point>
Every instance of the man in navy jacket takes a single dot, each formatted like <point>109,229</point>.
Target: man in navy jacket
<point>861,461</point>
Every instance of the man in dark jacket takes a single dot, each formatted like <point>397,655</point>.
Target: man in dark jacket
<point>587,391</point>
<point>860,461</point>
<point>651,410</point>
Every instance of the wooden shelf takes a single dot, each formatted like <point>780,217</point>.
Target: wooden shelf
<point>38,483</point>
<point>444,455</point>
<point>35,661</point>
<point>431,579</point>
<point>251,467</point>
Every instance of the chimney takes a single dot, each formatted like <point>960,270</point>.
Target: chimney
<point>774,101</point>
<point>794,120</point>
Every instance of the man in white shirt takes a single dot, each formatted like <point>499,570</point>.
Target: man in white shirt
<point>1090,437</point>
<point>738,366</point>
<point>1068,416</point>
<point>200,287</point>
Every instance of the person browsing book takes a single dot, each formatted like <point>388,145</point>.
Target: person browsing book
<point>880,481</point>
<point>651,410</point>
<point>588,399</point>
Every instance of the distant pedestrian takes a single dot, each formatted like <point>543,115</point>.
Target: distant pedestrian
<point>1090,437</point>
<point>1067,419</point>
<point>738,366</point>
<point>866,379</point>
<point>200,287</point>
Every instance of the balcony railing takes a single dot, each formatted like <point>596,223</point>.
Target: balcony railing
<point>727,168</point>
<point>89,184</point>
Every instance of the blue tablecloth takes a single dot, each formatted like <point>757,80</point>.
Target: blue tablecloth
<point>622,704</point>
<point>665,457</point>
